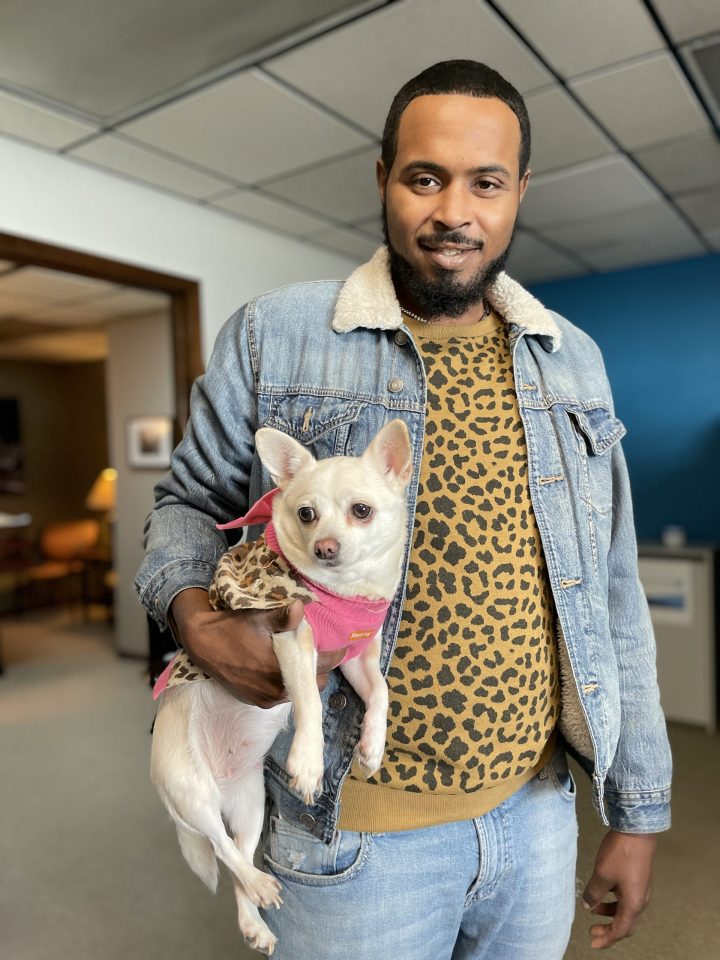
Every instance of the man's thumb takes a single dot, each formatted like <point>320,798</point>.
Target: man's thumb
<point>287,618</point>
<point>595,892</point>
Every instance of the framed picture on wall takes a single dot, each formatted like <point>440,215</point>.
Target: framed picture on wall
<point>149,442</point>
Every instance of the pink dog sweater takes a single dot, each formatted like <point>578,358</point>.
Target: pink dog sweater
<point>258,575</point>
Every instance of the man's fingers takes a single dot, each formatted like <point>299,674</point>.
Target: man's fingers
<point>622,925</point>
<point>595,892</point>
<point>605,909</point>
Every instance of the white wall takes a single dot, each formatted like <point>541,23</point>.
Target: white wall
<point>53,199</point>
<point>47,197</point>
<point>139,381</point>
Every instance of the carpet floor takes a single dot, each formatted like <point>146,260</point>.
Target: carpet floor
<point>89,863</point>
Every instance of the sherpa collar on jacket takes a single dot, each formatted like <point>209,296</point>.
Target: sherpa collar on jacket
<point>368,299</point>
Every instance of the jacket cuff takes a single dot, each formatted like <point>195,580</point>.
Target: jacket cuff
<point>646,811</point>
<point>158,593</point>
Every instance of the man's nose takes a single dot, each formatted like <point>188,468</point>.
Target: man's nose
<point>327,549</point>
<point>452,211</point>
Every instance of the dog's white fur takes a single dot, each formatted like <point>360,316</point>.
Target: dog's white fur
<point>208,747</point>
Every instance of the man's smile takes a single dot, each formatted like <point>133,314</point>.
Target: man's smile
<point>449,255</point>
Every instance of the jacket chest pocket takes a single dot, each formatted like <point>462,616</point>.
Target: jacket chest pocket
<point>323,424</point>
<point>595,432</point>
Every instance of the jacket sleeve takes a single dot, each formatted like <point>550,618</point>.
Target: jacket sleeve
<point>208,479</point>
<point>637,787</point>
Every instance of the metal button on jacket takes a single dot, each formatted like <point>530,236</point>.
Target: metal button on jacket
<point>307,820</point>
<point>395,385</point>
<point>401,338</point>
<point>338,701</point>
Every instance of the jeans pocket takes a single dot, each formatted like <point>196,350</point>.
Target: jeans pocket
<point>561,776</point>
<point>295,855</point>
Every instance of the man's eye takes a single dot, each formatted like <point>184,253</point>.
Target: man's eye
<point>487,185</point>
<point>361,510</point>
<point>425,181</point>
<point>306,514</point>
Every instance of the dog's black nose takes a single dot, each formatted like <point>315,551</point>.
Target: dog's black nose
<point>327,549</point>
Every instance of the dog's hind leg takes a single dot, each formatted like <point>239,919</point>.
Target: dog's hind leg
<point>244,813</point>
<point>199,853</point>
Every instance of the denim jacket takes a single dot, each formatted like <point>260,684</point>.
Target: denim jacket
<point>329,363</point>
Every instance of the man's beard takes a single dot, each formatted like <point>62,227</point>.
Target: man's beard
<point>443,295</point>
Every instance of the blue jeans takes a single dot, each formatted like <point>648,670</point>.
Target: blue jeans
<point>500,887</point>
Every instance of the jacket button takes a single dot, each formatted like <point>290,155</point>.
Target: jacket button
<point>401,338</point>
<point>395,385</point>
<point>338,701</point>
<point>307,820</point>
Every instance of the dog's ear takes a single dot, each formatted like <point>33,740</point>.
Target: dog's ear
<point>391,452</point>
<point>283,456</point>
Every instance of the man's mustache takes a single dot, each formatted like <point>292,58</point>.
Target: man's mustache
<point>454,236</point>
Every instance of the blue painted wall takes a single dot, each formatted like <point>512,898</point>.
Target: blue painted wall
<point>659,330</point>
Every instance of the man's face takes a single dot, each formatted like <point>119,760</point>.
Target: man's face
<point>450,200</point>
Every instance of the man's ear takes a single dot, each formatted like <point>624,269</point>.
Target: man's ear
<point>382,177</point>
<point>524,181</point>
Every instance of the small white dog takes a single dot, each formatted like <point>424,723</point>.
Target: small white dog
<point>339,528</point>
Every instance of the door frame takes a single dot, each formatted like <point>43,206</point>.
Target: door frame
<point>184,296</point>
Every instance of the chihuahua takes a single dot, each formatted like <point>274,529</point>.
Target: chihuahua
<point>335,539</point>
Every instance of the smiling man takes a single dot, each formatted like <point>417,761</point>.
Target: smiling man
<point>520,632</point>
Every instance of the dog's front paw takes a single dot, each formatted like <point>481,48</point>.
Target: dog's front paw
<point>306,768</point>
<point>370,752</point>
<point>263,889</point>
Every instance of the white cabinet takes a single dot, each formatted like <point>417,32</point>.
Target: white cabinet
<point>681,584</point>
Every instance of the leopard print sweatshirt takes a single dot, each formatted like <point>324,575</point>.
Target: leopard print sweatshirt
<point>474,687</point>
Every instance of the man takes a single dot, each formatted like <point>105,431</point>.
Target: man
<point>521,630</point>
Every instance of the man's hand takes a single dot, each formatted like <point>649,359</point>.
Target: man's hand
<point>623,866</point>
<point>235,646</point>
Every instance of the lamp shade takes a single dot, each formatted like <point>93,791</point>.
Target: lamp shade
<point>102,492</point>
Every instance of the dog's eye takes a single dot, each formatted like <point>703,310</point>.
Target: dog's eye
<point>306,514</point>
<point>361,510</point>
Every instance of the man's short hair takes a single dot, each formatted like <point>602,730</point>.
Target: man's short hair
<point>467,77</point>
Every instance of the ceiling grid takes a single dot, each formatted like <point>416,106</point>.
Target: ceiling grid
<point>275,114</point>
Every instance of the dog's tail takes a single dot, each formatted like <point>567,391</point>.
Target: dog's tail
<point>199,853</point>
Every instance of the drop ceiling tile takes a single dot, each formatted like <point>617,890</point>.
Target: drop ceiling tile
<point>266,211</point>
<point>689,19</point>
<point>129,302</point>
<point>654,250</point>
<point>713,237</point>
<point>28,121</point>
<point>644,102</point>
<point>683,165</point>
<point>562,134</point>
<point>372,226</point>
<point>577,36</point>
<point>343,240</point>
<point>542,271</point>
<point>78,315</point>
<point>589,190</point>
<point>703,207</point>
<point>247,128</point>
<point>531,261</point>
<point>656,221</point>
<point>51,286</point>
<point>359,68</point>
<point>106,57</point>
<point>120,155</point>
<point>81,346</point>
<point>342,190</point>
